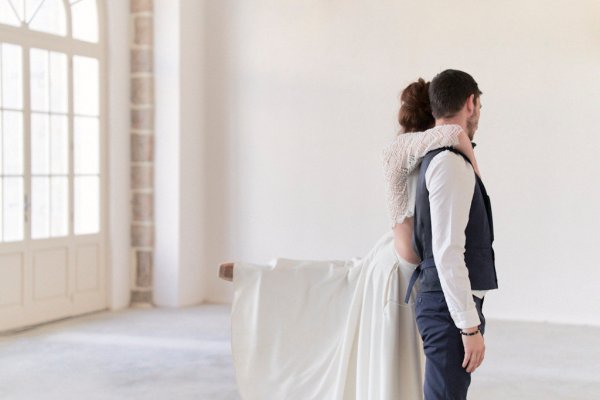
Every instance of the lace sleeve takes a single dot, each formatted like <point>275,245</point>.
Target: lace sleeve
<point>403,155</point>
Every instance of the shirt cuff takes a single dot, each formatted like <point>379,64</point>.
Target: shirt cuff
<point>466,319</point>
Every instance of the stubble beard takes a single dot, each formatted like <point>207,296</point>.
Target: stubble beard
<point>471,127</point>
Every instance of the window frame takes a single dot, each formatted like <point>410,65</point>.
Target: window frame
<point>27,39</point>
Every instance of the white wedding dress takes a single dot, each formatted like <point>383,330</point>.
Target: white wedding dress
<point>327,329</point>
<point>336,329</point>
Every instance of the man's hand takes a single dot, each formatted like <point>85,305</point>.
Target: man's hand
<point>474,350</point>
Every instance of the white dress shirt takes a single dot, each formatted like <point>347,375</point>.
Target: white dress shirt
<point>450,180</point>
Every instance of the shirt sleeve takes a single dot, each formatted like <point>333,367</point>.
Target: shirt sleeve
<point>450,180</point>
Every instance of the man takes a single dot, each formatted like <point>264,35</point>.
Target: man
<point>453,235</point>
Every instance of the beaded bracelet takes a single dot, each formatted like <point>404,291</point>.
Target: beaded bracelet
<point>469,334</point>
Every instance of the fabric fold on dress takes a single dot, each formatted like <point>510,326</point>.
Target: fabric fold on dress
<point>326,329</point>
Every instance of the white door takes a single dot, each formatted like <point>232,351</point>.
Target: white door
<point>52,161</point>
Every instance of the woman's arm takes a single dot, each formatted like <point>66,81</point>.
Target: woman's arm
<point>408,149</point>
<point>465,147</point>
<point>404,155</point>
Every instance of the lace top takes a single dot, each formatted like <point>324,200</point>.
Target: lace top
<point>402,156</point>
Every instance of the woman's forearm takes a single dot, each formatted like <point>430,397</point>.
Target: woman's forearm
<point>465,146</point>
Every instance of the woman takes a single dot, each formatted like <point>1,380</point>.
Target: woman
<point>339,329</point>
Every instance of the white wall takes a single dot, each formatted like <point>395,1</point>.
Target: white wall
<point>167,140</point>
<point>192,172</point>
<point>302,96</point>
<point>178,170</point>
<point>117,29</point>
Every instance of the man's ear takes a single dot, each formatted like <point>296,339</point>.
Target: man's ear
<point>470,104</point>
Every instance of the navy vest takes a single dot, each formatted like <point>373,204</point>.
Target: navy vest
<point>479,254</point>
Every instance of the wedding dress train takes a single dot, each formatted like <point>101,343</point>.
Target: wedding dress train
<point>326,329</point>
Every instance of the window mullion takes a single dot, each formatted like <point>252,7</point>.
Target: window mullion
<point>27,180</point>
<point>16,12</point>
<point>34,13</point>
<point>69,19</point>
<point>71,169</point>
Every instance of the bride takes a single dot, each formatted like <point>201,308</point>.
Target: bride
<point>339,329</point>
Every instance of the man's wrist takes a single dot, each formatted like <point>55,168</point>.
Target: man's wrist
<point>475,332</point>
<point>470,330</point>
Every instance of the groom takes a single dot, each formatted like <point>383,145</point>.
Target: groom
<point>453,235</point>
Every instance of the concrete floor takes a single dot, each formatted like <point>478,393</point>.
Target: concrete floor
<point>179,354</point>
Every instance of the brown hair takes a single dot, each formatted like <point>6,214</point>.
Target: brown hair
<point>415,111</point>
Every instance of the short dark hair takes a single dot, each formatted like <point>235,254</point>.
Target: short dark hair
<point>449,91</point>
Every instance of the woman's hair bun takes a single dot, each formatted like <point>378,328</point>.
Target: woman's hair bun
<point>415,110</point>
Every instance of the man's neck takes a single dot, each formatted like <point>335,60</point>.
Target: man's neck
<point>452,121</point>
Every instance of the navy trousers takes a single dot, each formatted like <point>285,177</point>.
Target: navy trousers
<point>445,378</point>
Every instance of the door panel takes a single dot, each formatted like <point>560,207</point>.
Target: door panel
<point>11,280</point>
<point>50,274</point>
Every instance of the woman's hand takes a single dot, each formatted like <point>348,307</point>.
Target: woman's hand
<point>226,271</point>
<point>465,147</point>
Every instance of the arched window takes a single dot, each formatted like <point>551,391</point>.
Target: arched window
<point>51,149</point>
<point>50,16</point>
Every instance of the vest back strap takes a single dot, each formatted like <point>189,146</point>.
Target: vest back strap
<point>427,263</point>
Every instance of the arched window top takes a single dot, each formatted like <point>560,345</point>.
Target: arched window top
<point>51,16</point>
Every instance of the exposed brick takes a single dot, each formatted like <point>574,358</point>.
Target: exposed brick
<point>142,147</point>
<point>142,235</point>
<point>140,5</point>
<point>142,207</point>
<point>141,60</point>
<point>142,177</point>
<point>142,118</point>
<point>142,90</point>
<point>143,269</point>
<point>141,296</point>
<point>142,30</point>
